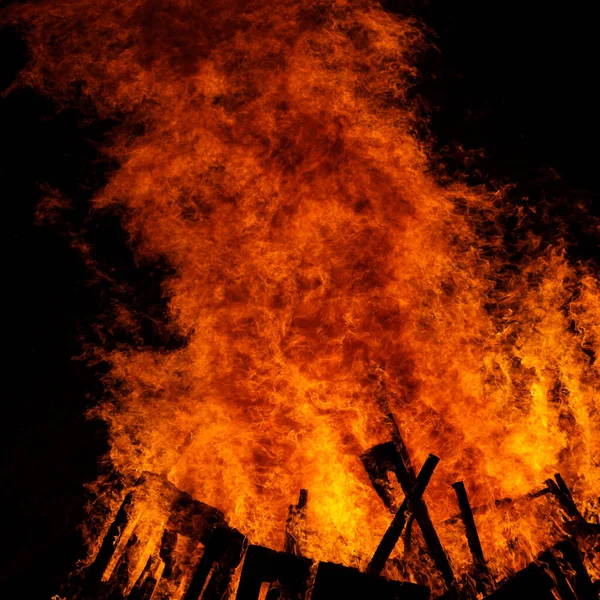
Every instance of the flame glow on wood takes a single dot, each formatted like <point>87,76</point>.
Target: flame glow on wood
<point>267,155</point>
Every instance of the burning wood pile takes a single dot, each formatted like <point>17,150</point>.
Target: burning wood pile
<point>267,168</point>
<point>199,556</point>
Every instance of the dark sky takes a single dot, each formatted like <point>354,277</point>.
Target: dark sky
<point>514,78</point>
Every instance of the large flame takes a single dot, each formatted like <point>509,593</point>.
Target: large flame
<point>268,156</point>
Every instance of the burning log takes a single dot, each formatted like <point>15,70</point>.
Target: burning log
<point>563,494</point>
<point>295,525</point>
<point>336,581</point>
<point>262,565</point>
<point>286,574</point>
<point>470,527</point>
<point>392,535</point>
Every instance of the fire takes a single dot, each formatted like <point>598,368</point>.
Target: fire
<point>267,155</point>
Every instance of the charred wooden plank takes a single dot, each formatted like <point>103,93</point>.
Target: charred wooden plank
<point>168,543</point>
<point>221,557</point>
<point>137,592</point>
<point>584,588</point>
<point>392,535</point>
<point>562,585</point>
<point>420,512</point>
<point>193,519</point>
<point>532,582</point>
<point>119,580</point>
<point>406,473</point>
<point>146,590</point>
<point>408,533</point>
<point>263,565</point>
<point>470,527</point>
<point>406,476</point>
<point>295,525</point>
<point>378,461</point>
<point>563,494</point>
<point>345,583</point>
<point>564,498</point>
<point>188,517</point>
<point>498,504</point>
<point>107,548</point>
<point>433,541</point>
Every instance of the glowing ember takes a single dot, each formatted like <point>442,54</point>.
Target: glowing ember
<point>275,170</point>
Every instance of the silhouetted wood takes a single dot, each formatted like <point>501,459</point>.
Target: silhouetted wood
<point>406,477</point>
<point>563,495</point>
<point>221,557</point>
<point>392,535</point>
<point>263,565</point>
<point>532,583</point>
<point>498,504</point>
<point>408,533</point>
<point>584,588</point>
<point>137,592</point>
<point>193,519</point>
<point>147,589</point>
<point>562,585</point>
<point>406,472</point>
<point>295,525</point>
<point>119,580</point>
<point>107,548</point>
<point>378,461</point>
<point>166,552</point>
<point>344,583</point>
<point>470,527</point>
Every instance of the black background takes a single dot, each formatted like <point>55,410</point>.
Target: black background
<point>514,78</point>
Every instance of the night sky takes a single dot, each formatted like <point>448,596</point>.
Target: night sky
<point>517,82</point>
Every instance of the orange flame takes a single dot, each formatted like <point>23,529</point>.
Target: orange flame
<point>278,175</point>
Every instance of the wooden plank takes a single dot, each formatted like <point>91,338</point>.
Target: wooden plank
<point>295,525</point>
<point>378,461</point>
<point>221,557</point>
<point>263,565</point>
<point>392,535</point>
<point>483,508</point>
<point>406,477</point>
<point>107,548</point>
<point>584,587</point>
<point>470,527</point>
<point>335,582</point>
<point>533,582</point>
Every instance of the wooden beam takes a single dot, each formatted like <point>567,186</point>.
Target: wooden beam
<point>406,476</point>
<point>392,535</point>
<point>295,525</point>
<point>470,527</point>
